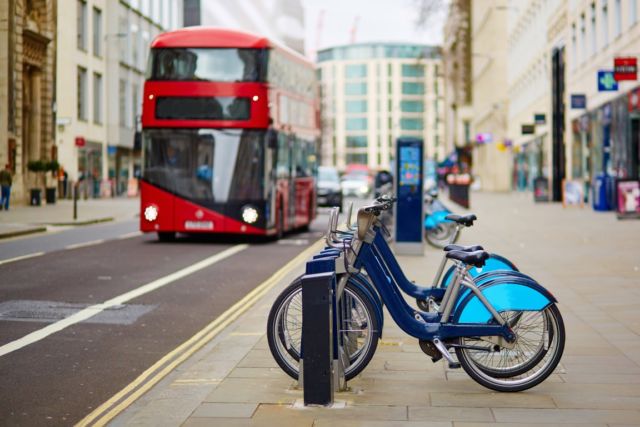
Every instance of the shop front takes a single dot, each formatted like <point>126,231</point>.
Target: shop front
<point>606,148</point>
<point>90,169</point>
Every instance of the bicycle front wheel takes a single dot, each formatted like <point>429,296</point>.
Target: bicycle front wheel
<point>533,357</point>
<point>359,329</point>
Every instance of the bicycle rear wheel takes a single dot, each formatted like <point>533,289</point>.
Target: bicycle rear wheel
<point>359,330</point>
<point>536,353</point>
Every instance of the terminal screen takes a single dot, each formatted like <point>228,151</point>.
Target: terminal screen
<point>409,166</point>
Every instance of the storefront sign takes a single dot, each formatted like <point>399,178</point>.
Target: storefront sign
<point>634,99</point>
<point>484,138</point>
<point>528,129</point>
<point>606,81</point>
<point>628,198</point>
<point>578,101</point>
<point>80,141</point>
<point>539,119</point>
<point>572,193</point>
<point>625,68</point>
<point>541,189</point>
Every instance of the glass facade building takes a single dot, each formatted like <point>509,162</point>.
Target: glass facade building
<point>373,94</point>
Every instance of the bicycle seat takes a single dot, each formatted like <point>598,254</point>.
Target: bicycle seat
<point>476,258</point>
<point>472,248</point>
<point>466,220</point>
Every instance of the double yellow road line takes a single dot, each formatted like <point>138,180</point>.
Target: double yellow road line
<point>125,397</point>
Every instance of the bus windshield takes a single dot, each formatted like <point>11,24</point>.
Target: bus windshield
<point>207,64</point>
<point>206,165</point>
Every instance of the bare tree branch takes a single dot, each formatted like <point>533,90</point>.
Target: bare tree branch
<point>426,10</point>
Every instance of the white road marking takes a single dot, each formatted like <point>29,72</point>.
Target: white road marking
<point>129,235</point>
<point>119,300</point>
<point>82,245</point>
<point>18,258</point>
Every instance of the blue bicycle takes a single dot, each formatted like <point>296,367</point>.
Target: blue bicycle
<point>505,328</point>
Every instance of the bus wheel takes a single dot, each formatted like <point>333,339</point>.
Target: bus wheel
<point>166,236</point>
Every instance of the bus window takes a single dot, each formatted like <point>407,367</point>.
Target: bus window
<point>215,65</point>
<point>283,156</point>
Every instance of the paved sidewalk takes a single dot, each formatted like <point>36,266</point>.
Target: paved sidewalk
<point>590,261</point>
<point>24,219</point>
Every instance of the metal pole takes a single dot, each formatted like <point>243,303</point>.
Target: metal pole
<point>75,201</point>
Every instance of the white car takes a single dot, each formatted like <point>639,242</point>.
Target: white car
<point>355,185</point>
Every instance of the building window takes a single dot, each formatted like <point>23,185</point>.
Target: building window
<point>412,88</point>
<point>467,132</point>
<point>412,106</point>
<point>97,98</point>
<point>122,95</point>
<point>357,142</point>
<point>82,25</point>
<point>583,36</point>
<point>82,93</point>
<point>97,32</point>
<point>605,23</point>
<point>411,124</point>
<point>574,46</point>
<point>135,41</point>
<point>633,12</point>
<point>356,106</point>
<point>593,29</point>
<point>357,158</point>
<point>355,71</point>
<point>123,36</point>
<point>412,70</point>
<point>618,18</point>
<point>356,89</point>
<point>135,103</point>
<point>353,123</point>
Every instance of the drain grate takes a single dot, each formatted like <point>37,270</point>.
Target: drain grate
<point>53,311</point>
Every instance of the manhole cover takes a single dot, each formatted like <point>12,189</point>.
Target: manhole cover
<point>52,311</point>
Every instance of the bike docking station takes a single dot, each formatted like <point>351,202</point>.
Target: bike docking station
<point>409,212</point>
<point>322,357</point>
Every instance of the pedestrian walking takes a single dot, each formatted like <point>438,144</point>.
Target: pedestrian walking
<point>6,180</point>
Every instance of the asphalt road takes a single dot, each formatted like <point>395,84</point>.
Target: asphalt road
<point>63,237</point>
<point>58,378</point>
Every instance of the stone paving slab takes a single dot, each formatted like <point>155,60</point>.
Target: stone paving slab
<point>588,260</point>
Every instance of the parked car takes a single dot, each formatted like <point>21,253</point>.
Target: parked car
<point>356,184</point>
<point>329,189</point>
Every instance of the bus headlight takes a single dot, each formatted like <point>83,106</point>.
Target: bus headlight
<point>249,214</point>
<point>151,213</point>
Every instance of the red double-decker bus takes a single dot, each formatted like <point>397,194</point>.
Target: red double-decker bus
<point>230,132</point>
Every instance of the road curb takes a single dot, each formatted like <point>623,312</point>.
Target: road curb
<point>23,232</point>
<point>81,223</point>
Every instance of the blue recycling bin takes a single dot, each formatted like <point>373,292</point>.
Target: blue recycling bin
<point>599,188</point>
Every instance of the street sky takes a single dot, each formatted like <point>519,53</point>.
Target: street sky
<point>379,20</point>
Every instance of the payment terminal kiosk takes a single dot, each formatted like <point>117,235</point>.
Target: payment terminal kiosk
<point>409,212</point>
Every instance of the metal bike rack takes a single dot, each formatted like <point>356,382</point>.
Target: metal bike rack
<point>323,359</point>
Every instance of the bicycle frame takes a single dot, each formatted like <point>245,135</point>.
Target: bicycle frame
<point>424,326</point>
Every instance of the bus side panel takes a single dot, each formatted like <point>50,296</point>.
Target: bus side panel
<point>304,201</point>
<point>282,203</point>
<point>164,205</point>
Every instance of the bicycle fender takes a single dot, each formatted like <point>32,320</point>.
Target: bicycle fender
<point>435,218</point>
<point>504,295</point>
<point>494,263</point>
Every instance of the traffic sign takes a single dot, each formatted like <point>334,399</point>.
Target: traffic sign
<point>606,81</point>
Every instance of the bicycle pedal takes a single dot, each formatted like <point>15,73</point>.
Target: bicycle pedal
<point>454,365</point>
